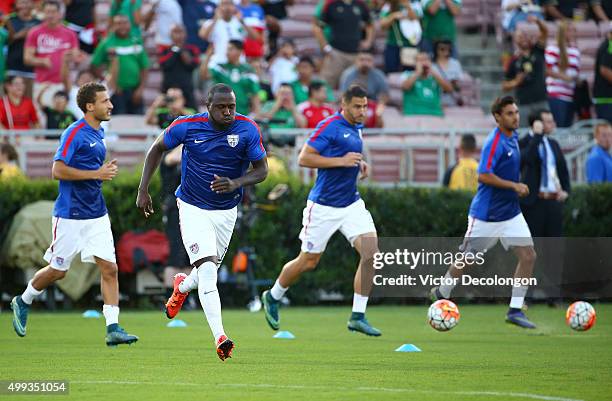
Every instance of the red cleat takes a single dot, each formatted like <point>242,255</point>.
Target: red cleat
<point>175,302</point>
<point>225,346</point>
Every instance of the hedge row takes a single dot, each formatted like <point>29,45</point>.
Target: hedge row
<point>274,230</point>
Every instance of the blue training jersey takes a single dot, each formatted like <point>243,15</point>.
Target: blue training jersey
<point>81,147</point>
<point>207,152</point>
<point>335,137</point>
<point>501,156</point>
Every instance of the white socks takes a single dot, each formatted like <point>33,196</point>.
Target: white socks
<point>190,282</point>
<point>518,296</point>
<point>360,302</point>
<point>278,291</point>
<point>445,289</point>
<point>209,297</point>
<point>30,293</point>
<point>111,314</point>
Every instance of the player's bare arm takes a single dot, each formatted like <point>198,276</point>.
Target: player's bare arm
<point>106,172</point>
<point>309,157</point>
<point>257,174</point>
<point>152,160</point>
<point>494,181</point>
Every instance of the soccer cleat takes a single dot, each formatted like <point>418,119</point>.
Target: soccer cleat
<point>225,346</point>
<point>175,302</point>
<point>435,294</point>
<point>20,315</point>
<point>271,310</point>
<point>363,326</point>
<point>118,336</point>
<point>517,317</point>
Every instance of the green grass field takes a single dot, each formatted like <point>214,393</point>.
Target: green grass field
<point>483,358</point>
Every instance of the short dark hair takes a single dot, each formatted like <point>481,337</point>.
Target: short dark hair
<point>9,79</point>
<point>536,115</point>
<point>468,142</point>
<point>354,91</point>
<point>501,102</point>
<point>9,151</point>
<point>238,44</point>
<point>87,94</point>
<point>217,88</point>
<point>52,3</point>
<point>63,94</point>
<point>307,59</point>
<point>314,86</point>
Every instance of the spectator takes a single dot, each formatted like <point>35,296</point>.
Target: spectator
<point>439,22</point>
<point>544,171</point>
<point>275,11</point>
<point>128,60</point>
<point>602,87</point>
<point>283,112</point>
<point>178,62</point>
<point>131,10</point>
<point>6,7</point>
<point>18,26</point>
<point>401,19</point>
<point>226,25</point>
<point>195,14</point>
<point>515,11</point>
<point>80,16</point>
<point>3,39</point>
<point>167,14</point>
<point>450,69</point>
<point>240,76</point>
<point>364,74</point>
<point>305,76</point>
<point>423,89</point>
<point>579,9</point>
<point>265,87</point>
<point>284,65</point>
<point>58,116</point>
<point>562,72</point>
<point>16,110</point>
<point>526,72</point>
<point>315,108</point>
<point>83,77</point>
<point>254,17</point>
<point>599,162</point>
<point>351,30</point>
<point>463,175</point>
<point>167,107</point>
<point>46,48</point>
<point>9,163</point>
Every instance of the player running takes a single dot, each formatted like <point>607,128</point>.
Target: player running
<point>218,147</point>
<point>334,148</point>
<point>495,213</point>
<point>80,219</point>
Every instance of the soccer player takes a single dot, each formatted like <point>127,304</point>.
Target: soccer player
<point>495,213</point>
<point>80,219</point>
<point>218,147</point>
<point>334,148</point>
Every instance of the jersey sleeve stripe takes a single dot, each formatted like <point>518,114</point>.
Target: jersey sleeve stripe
<point>242,118</point>
<point>492,152</point>
<point>70,138</point>
<point>185,120</point>
<point>322,127</point>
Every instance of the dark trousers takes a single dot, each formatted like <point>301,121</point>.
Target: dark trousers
<point>562,111</point>
<point>123,104</point>
<point>604,111</point>
<point>544,218</point>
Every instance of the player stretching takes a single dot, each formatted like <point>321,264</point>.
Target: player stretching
<point>80,218</point>
<point>334,148</point>
<point>218,147</point>
<point>495,213</point>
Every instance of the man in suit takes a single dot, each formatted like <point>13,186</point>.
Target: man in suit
<point>544,171</point>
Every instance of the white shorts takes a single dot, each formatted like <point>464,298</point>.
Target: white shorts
<point>483,235</point>
<point>320,222</point>
<point>206,232</point>
<point>90,237</point>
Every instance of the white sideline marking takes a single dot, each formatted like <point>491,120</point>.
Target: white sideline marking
<point>302,387</point>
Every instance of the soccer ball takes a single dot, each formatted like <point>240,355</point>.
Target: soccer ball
<point>443,315</point>
<point>580,316</point>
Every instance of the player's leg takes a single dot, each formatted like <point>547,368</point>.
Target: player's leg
<point>99,248</point>
<point>64,246</point>
<point>358,228</point>
<point>319,223</point>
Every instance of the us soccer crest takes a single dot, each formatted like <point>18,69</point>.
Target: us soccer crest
<point>233,140</point>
